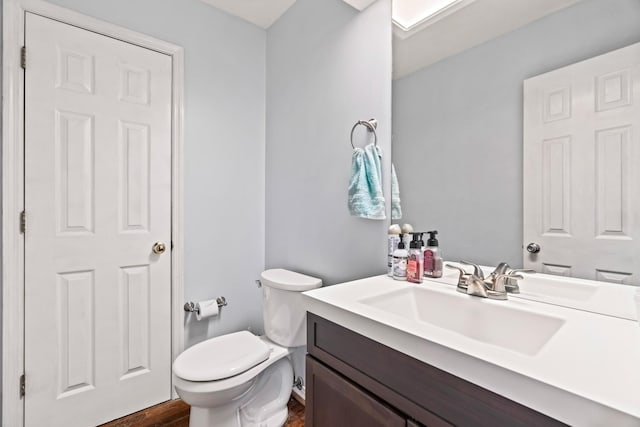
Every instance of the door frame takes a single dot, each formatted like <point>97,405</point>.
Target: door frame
<point>13,262</point>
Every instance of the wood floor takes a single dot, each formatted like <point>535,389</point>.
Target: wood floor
<point>175,413</point>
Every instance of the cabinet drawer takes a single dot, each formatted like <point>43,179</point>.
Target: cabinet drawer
<point>333,401</point>
<point>427,394</point>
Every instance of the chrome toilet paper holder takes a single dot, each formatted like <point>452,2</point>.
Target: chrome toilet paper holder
<point>191,307</point>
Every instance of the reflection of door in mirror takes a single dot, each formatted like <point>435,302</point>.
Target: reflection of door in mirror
<point>581,151</point>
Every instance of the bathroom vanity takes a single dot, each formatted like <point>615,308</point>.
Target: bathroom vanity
<point>388,353</point>
<point>352,377</point>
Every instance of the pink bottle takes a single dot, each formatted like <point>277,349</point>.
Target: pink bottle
<point>432,257</point>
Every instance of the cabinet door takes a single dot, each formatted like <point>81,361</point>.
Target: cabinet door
<point>333,401</point>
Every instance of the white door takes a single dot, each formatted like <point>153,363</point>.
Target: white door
<point>581,168</point>
<point>97,197</point>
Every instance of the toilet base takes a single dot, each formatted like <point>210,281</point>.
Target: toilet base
<point>200,417</point>
<point>264,404</point>
<point>220,416</point>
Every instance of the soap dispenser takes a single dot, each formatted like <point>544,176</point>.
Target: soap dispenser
<point>400,256</point>
<point>415,262</point>
<point>432,256</point>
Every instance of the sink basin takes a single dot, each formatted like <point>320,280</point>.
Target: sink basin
<point>490,322</point>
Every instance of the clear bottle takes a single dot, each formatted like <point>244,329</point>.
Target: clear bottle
<point>415,261</point>
<point>393,239</point>
<point>432,257</point>
<point>400,256</point>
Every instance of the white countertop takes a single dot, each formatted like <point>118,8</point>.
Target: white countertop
<point>587,374</point>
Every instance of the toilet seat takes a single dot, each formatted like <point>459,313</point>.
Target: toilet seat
<point>222,357</point>
<point>276,353</point>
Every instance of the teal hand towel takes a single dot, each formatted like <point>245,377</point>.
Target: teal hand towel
<point>396,209</point>
<point>366,199</point>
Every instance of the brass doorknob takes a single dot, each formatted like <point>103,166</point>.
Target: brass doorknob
<point>159,248</point>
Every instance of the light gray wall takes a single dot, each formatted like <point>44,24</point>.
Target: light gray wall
<point>457,127</point>
<point>224,149</point>
<point>327,67</point>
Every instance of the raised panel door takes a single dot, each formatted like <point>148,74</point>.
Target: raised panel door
<point>97,197</point>
<point>581,148</point>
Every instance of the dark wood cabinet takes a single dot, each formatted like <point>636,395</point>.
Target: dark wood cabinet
<point>338,402</point>
<point>355,381</point>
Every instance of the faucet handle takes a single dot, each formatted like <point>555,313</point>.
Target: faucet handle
<point>501,281</point>
<point>522,270</point>
<point>455,267</point>
<point>502,268</point>
<point>477,271</point>
<point>462,278</point>
<point>512,284</point>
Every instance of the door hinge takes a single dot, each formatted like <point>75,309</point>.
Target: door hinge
<point>22,385</point>
<point>23,222</point>
<point>23,57</point>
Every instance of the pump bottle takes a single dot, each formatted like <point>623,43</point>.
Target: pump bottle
<point>432,257</point>
<point>400,256</point>
<point>415,263</point>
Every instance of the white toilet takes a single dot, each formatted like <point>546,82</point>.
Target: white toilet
<point>240,379</point>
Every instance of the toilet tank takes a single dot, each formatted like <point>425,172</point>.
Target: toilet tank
<point>282,306</point>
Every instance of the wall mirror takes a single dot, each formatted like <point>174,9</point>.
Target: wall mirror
<point>458,96</point>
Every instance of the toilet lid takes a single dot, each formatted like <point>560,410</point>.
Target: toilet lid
<point>221,357</point>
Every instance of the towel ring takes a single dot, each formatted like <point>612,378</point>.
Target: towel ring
<point>371,125</point>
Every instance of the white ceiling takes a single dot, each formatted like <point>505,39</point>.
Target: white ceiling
<point>471,23</point>
<point>264,13</point>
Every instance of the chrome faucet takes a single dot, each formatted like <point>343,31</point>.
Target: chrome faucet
<point>494,287</point>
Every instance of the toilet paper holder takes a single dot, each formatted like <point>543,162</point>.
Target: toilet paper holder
<point>191,307</point>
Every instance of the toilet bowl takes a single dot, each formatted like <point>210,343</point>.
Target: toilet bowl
<point>242,380</point>
<point>256,397</point>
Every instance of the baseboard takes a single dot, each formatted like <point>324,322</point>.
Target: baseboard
<point>298,395</point>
